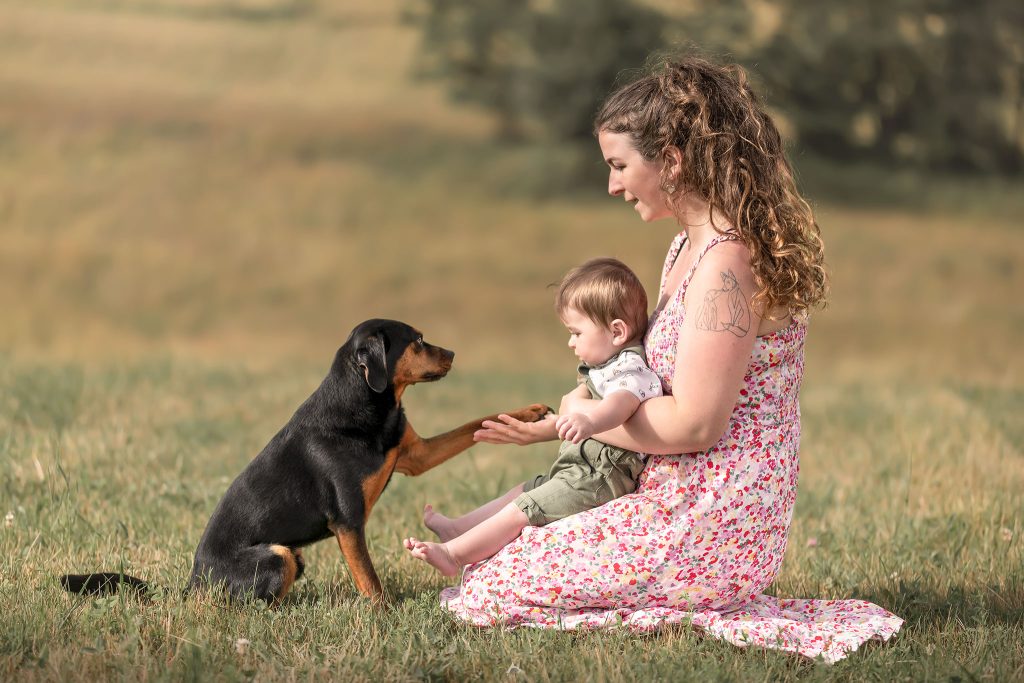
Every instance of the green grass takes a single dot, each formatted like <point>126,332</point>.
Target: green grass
<point>909,496</point>
<point>199,199</point>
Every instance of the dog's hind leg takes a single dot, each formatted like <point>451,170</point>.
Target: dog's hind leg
<point>353,547</point>
<point>289,571</point>
<point>265,572</point>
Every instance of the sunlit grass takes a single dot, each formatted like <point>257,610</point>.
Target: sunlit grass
<point>908,498</point>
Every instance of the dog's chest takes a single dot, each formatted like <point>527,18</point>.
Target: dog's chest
<point>392,434</point>
<point>392,430</point>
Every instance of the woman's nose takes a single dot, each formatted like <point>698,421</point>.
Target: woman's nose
<point>615,187</point>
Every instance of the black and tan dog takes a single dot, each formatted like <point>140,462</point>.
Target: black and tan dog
<point>322,473</point>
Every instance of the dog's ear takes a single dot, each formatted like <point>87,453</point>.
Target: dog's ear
<point>370,356</point>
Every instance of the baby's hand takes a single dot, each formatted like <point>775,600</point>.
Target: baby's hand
<point>574,427</point>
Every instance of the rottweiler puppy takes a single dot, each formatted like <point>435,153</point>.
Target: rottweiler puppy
<point>322,473</point>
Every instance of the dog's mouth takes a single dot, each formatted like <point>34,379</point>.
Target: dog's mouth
<point>433,377</point>
<point>444,364</point>
<point>437,374</point>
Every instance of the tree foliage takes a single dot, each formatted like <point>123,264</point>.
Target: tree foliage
<point>925,83</point>
<point>931,83</point>
<point>541,67</point>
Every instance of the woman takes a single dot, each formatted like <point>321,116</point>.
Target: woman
<point>705,532</point>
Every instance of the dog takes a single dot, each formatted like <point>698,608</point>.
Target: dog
<point>322,473</point>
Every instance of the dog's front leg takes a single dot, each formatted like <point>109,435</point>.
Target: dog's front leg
<point>353,548</point>
<point>417,455</point>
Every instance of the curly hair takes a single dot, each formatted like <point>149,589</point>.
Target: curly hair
<point>733,157</point>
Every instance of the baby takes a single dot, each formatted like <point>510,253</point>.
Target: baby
<point>604,307</point>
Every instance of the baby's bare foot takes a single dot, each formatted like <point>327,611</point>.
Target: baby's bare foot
<point>439,524</point>
<point>434,554</point>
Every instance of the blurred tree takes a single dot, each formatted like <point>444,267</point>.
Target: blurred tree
<point>542,66</point>
<point>480,50</point>
<point>925,83</point>
<point>931,83</point>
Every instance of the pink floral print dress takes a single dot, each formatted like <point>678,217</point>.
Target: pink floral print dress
<point>700,539</point>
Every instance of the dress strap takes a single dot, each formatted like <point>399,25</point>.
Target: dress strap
<point>670,259</point>
<point>721,238</point>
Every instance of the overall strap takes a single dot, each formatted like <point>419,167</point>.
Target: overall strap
<point>721,238</point>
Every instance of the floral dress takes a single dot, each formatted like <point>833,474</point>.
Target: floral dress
<point>700,539</point>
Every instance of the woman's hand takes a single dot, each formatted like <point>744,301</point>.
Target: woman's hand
<point>508,429</point>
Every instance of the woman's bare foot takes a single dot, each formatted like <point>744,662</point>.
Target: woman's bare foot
<point>439,524</point>
<point>434,554</point>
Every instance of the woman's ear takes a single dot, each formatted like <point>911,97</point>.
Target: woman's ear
<point>673,163</point>
<point>620,332</point>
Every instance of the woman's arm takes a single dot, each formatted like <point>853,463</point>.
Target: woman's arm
<point>715,345</point>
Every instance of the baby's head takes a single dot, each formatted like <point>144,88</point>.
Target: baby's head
<point>604,306</point>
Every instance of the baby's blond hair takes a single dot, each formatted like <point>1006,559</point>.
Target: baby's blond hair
<point>604,289</point>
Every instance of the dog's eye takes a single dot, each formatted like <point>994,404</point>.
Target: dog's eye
<point>419,341</point>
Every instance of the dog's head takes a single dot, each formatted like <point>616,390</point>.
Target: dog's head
<point>391,353</point>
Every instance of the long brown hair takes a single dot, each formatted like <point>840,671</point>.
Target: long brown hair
<point>733,157</point>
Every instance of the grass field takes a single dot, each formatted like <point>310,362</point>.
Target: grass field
<point>199,198</point>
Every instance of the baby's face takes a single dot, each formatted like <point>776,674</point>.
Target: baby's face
<point>592,342</point>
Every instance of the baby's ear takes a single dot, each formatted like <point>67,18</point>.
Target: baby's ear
<point>620,332</point>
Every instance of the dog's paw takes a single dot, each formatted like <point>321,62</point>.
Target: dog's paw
<point>531,413</point>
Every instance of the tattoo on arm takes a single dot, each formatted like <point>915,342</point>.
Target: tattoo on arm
<point>725,309</point>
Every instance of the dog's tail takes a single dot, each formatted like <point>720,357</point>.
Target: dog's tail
<point>102,583</point>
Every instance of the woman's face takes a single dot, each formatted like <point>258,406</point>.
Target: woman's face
<point>635,178</point>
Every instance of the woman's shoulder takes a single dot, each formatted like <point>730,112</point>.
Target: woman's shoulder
<point>728,257</point>
<point>729,244</point>
<point>726,275</point>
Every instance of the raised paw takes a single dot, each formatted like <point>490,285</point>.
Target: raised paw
<point>532,413</point>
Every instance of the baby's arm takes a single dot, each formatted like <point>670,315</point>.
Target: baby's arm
<point>606,414</point>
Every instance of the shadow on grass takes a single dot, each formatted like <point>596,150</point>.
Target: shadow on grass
<point>923,605</point>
